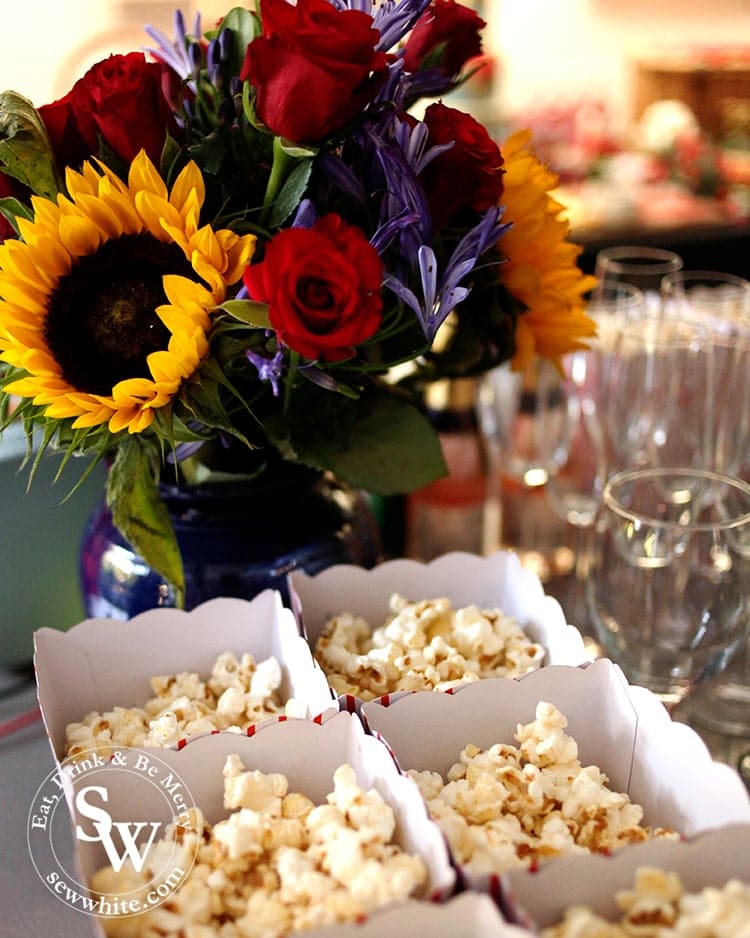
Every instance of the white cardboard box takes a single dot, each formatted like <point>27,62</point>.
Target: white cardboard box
<point>308,754</point>
<point>495,581</point>
<point>664,766</point>
<point>469,915</point>
<point>102,663</point>
<point>709,859</point>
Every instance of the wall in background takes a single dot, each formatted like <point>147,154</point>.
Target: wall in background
<point>556,51</point>
<point>549,50</point>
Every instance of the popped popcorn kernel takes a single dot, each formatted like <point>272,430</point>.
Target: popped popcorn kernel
<point>277,864</point>
<point>659,907</point>
<point>424,645</point>
<point>507,806</point>
<point>239,693</point>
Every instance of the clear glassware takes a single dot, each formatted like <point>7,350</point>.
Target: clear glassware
<point>669,589</point>
<point>660,393</point>
<point>644,267</point>
<point>575,489</point>
<point>522,420</point>
<point>721,300</point>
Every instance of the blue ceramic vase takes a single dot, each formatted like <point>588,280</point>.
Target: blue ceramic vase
<point>236,539</point>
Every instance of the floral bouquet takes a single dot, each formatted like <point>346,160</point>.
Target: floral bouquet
<point>246,244</point>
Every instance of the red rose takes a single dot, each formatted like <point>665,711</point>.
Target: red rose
<point>322,285</point>
<point>470,174</point>
<point>314,68</point>
<point>119,100</point>
<point>447,31</point>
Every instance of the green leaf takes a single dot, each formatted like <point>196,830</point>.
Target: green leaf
<point>209,153</point>
<point>381,443</point>
<point>394,449</point>
<point>254,314</point>
<point>12,209</point>
<point>291,193</point>
<point>244,27</point>
<point>25,150</point>
<point>296,149</point>
<point>202,399</point>
<point>139,513</point>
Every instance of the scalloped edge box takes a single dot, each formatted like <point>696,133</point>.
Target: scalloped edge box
<point>709,859</point>
<point>469,915</point>
<point>623,729</point>
<point>308,754</point>
<point>102,663</point>
<point>497,580</point>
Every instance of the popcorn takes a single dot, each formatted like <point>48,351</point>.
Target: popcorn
<point>238,693</point>
<point>277,864</point>
<point>507,807</point>
<point>425,645</point>
<point>659,907</point>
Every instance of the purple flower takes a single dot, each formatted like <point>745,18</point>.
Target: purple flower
<point>305,216</point>
<point>404,196</point>
<point>314,374</point>
<point>177,53</point>
<point>441,294</point>
<point>393,18</point>
<point>269,369</point>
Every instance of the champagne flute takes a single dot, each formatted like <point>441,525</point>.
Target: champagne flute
<point>669,591</point>
<point>722,705</point>
<point>722,300</point>
<point>659,388</point>
<point>575,489</point>
<point>644,267</point>
<point>522,422</point>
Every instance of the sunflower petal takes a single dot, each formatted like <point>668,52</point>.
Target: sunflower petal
<point>101,209</point>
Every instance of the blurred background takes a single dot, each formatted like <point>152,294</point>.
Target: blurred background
<point>643,108</point>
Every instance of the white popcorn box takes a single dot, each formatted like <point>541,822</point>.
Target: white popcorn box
<point>469,915</point>
<point>495,581</point>
<point>624,730</point>
<point>710,859</point>
<point>102,663</point>
<point>306,752</point>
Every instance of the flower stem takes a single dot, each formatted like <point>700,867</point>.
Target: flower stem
<point>279,171</point>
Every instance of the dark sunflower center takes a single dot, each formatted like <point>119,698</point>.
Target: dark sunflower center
<point>101,322</point>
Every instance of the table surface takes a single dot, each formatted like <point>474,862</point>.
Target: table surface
<point>26,905</point>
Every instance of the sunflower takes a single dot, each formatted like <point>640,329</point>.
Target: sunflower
<point>106,302</point>
<point>541,269</point>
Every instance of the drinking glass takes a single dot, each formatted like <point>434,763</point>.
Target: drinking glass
<point>722,300</point>
<point>521,416</point>
<point>669,590</point>
<point>644,267</point>
<point>722,705</point>
<point>659,390</point>
<point>575,488</point>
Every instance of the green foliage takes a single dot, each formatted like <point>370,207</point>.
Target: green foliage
<point>25,151</point>
<point>247,311</point>
<point>139,513</point>
<point>380,442</point>
<point>242,26</point>
<point>291,193</point>
<point>12,209</point>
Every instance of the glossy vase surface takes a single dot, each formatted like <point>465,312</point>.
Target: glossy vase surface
<point>236,539</point>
